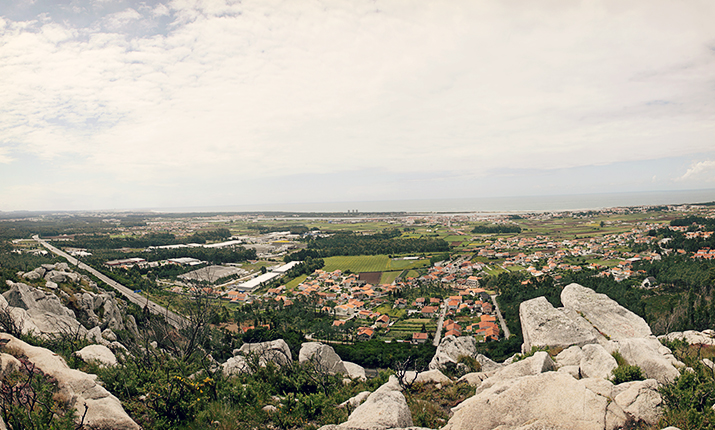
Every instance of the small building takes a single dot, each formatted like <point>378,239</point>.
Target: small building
<point>419,338</point>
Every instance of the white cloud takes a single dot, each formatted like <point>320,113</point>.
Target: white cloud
<point>266,89</point>
<point>700,171</point>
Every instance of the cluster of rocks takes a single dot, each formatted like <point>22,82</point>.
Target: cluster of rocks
<point>101,410</point>
<point>572,390</point>
<point>41,312</point>
<point>321,356</point>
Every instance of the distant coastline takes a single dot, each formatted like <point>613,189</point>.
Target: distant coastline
<point>486,204</point>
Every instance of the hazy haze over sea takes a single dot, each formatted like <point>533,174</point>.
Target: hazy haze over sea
<point>491,204</point>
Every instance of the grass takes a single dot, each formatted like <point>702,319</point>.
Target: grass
<point>389,277</point>
<point>370,263</point>
<point>293,283</point>
<point>387,309</point>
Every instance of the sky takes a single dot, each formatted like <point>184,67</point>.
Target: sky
<point>118,104</point>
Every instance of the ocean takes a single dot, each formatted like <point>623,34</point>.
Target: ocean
<point>487,204</point>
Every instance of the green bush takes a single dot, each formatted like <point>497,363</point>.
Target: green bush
<point>626,373</point>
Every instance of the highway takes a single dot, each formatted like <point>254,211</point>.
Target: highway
<point>504,328</point>
<point>174,319</point>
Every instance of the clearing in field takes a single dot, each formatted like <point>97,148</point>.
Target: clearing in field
<point>371,277</point>
<point>389,277</point>
<point>370,263</point>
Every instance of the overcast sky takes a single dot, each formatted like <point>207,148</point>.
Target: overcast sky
<point>110,104</point>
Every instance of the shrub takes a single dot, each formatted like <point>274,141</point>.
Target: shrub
<point>626,373</point>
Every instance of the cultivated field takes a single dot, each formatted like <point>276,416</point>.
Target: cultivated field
<point>371,263</point>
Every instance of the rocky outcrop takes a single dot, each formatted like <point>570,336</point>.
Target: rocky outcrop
<point>322,357</point>
<point>641,400</point>
<point>550,400</point>
<point>356,400</point>
<point>605,314</point>
<point>235,366</point>
<point>355,371</point>
<point>40,313</point>
<point>98,353</point>
<point>570,356</point>
<point>705,337</point>
<point>386,408</point>
<point>103,410</point>
<point>538,363</point>
<point>275,351</point>
<point>451,348</point>
<point>656,360</point>
<point>429,377</point>
<point>596,362</point>
<point>544,325</point>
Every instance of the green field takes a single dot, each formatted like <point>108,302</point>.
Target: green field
<point>371,263</point>
<point>404,329</point>
<point>389,277</point>
<point>387,309</point>
<point>295,281</point>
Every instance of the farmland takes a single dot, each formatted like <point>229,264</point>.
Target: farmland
<point>371,263</point>
<point>405,328</point>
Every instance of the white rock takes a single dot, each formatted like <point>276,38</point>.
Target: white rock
<point>690,336</point>
<point>596,362</point>
<point>544,325</point>
<point>275,351</point>
<point>574,371</point>
<point>356,400</point>
<point>235,366</point>
<point>654,359</point>
<point>604,313</point>
<point>570,357</point>
<point>551,400</point>
<point>474,378</point>
<point>41,313</point>
<point>104,411</point>
<point>109,335</point>
<point>642,401</point>
<point>322,357</point>
<point>98,353</point>
<point>386,408</point>
<point>538,363</point>
<point>451,348</point>
<point>8,364</point>
<point>355,371</point>
<point>433,376</point>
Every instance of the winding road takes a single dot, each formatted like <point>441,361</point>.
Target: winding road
<point>174,319</point>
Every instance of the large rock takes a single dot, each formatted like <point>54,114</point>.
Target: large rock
<point>656,361</point>
<point>691,336</point>
<point>41,313</point>
<point>429,377</point>
<point>356,400</point>
<point>451,348</point>
<point>551,400</point>
<point>322,357</point>
<point>235,366</point>
<point>596,362</point>
<point>570,356</point>
<point>386,408</point>
<point>607,316</point>
<point>540,362</point>
<point>544,325</point>
<point>355,371</point>
<point>104,411</point>
<point>99,353</point>
<point>275,351</point>
<point>641,400</point>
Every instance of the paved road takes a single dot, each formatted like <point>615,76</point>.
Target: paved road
<point>172,318</point>
<point>438,333</point>
<point>501,318</point>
